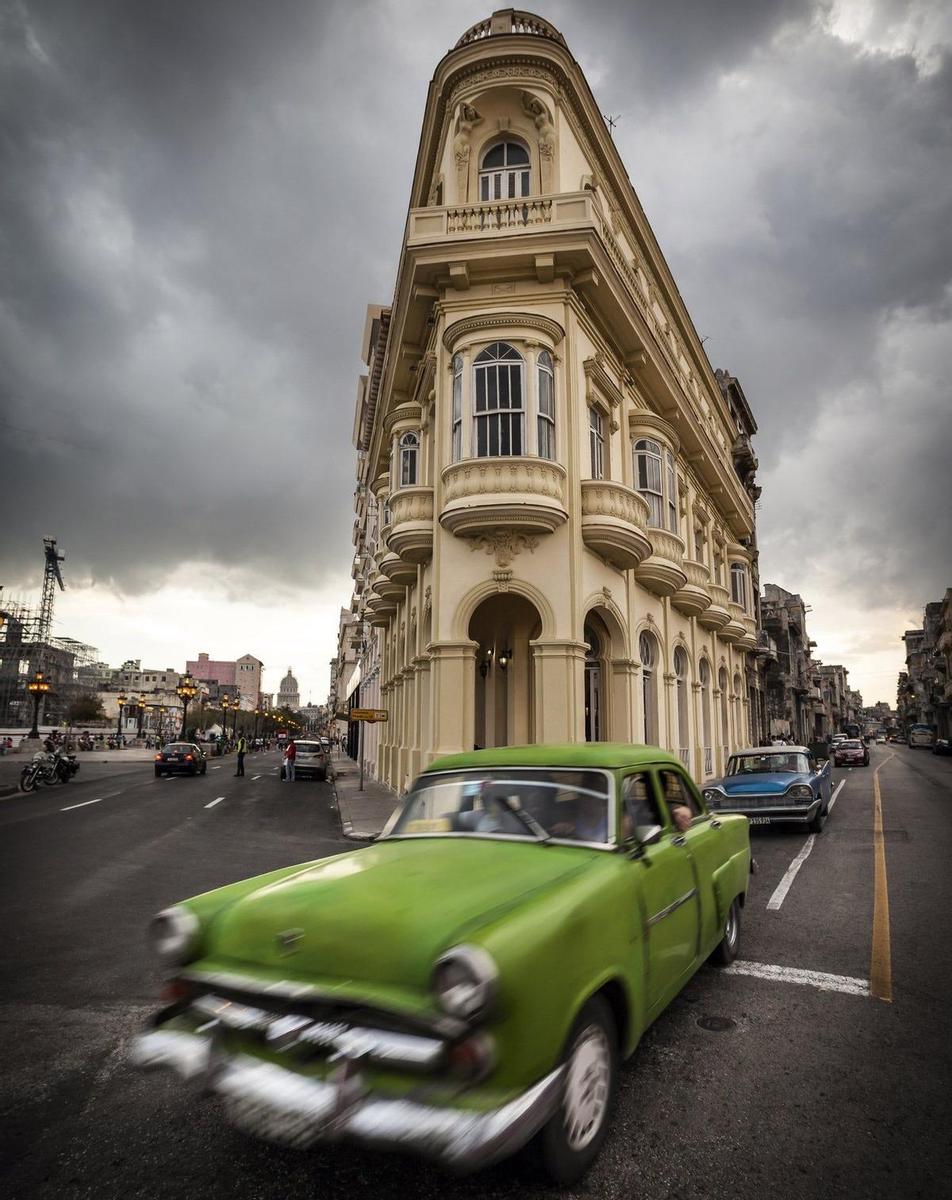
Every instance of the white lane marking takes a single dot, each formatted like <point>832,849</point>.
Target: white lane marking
<point>218,768</point>
<point>254,777</point>
<point>835,794</point>
<point>818,979</point>
<point>83,804</point>
<point>785,884</point>
<point>217,800</point>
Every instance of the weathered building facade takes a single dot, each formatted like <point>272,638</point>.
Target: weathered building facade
<point>554,524</point>
<point>925,687</point>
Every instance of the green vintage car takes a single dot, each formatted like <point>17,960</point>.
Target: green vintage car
<point>472,980</point>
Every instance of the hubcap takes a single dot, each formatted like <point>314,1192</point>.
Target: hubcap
<point>730,932</point>
<point>586,1087</point>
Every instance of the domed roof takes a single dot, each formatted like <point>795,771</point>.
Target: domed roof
<point>289,683</point>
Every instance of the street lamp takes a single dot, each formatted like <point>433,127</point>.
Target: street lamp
<point>37,687</point>
<point>254,733</point>
<point>142,704</point>
<point>224,717</point>
<point>236,705</point>
<point>121,701</point>
<point>186,691</point>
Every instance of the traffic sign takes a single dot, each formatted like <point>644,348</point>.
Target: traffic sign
<point>368,714</point>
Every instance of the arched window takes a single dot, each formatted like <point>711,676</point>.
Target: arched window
<point>498,411</point>
<point>649,687</point>
<point>681,683</point>
<point>648,479</point>
<point>739,732</point>
<point>546,414</point>
<point>596,442</point>
<point>739,584</point>
<point>409,456</point>
<point>457,407</point>
<point>656,478</point>
<point>725,725</point>
<point>704,676</point>
<point>593,686</point>
<point>504,172</point>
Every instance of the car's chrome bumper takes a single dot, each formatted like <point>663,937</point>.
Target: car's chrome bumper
<point>774,813</point>
<point>284,1106</point>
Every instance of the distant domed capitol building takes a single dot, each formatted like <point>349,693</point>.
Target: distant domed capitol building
<point>288,694</point>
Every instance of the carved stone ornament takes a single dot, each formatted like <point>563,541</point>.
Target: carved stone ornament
<point>504,543</point>
<point>649,618</point>
<point>496,320</point>
<point>427,601</point>
<point>607,593</point>
<point>503,578</point>
<point>466,120</point>
<point>539,114</point>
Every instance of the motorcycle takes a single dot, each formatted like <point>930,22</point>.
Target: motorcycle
<point>42,769</point>
<point>66,766</point>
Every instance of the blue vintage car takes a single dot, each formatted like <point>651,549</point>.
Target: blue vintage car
<point>774,784</point>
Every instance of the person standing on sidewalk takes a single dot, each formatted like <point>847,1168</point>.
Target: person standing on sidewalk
<point>242,747</point>
<point>290,754</point>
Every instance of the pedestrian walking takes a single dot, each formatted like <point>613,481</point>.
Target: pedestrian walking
<point>290,754</point>
<point>242,747</point>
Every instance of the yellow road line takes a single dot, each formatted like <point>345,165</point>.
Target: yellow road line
<point>880,964</point>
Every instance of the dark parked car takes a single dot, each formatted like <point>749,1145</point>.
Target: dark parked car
<point>942,746</point>
<point>853,753</point>
<point>180,757</point>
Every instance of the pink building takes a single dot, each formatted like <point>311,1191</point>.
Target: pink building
<point>245,673</point>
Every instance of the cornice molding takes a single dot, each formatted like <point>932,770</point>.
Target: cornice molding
<point>642,419</point>
<point>496,320</point>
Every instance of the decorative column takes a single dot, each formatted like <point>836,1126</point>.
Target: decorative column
<point>624,684</point>
<point>669,678</point>
<point>453,672</point>
<point>698,756</point>
<point>559,691</point>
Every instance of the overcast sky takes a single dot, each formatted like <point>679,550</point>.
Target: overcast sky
<point>199,197</point>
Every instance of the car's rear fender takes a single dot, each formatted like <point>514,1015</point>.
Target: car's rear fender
<point>730,883</point>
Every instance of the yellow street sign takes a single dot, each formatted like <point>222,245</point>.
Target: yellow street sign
<point>368,714</point>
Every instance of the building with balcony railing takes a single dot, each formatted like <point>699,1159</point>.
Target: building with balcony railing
<point>554,535</point>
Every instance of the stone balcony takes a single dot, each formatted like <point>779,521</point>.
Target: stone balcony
<point>662,571</point>
<point>749,640</point>
<point>717,616</point>
<point>520,495</point>
<point>695,597</point>
<point>380,609</point>
<point>734,630</point>
<point>397,570</point>
<point>388,588</point>
<point>498,218</point>
<point>615,523</point>
<point>411,524</point>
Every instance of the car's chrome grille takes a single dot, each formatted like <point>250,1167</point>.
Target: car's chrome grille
<point>753,801</point>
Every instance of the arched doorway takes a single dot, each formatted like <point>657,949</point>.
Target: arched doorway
<point>650,659</point>
<point>740,733</point>
<point>594,717</point>
<point>504,626</point>
<point>725,723</point>
<point>704,676</point>
<point>681,699</point>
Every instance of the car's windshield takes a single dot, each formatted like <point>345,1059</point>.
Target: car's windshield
<point>768,764</point>
<point>851,745</point>
<point>561,805</point>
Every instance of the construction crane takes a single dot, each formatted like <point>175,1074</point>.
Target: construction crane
<point>52,575</point>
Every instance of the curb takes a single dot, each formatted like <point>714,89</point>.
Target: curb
<point>346,825</point>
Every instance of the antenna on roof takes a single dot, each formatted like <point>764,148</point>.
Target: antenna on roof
<point>611,122</point>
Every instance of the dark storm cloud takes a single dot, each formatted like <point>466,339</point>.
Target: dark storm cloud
<point>199,199</point>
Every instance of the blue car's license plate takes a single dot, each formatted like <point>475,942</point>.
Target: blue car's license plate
<point>759,820</point>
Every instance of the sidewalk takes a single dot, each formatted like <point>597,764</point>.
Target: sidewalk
<point>362,814</point>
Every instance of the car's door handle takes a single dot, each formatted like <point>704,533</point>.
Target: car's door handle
<point>715,824</point>
<point>678,841</point>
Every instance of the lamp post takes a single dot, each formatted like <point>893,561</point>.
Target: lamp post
<point>37,687</point>
<point>224,718</point>
<point>186,691</point>
<point>254,732</point>
<point>121,701</point>
<point>142,704</point>
<point>236,705</point>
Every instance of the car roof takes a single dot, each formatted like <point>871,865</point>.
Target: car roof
<point>605,755</point>
<point>772,750</point>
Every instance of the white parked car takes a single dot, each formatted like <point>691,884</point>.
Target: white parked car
<point>311,760</point>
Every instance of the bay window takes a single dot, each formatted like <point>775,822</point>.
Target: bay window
<point>739,584</point>
<point>409,459</point>
<point>457,438</point>
<point>498,424</point>
<point>648,479</point>
<point>596,442</point>
<point>546,405</point>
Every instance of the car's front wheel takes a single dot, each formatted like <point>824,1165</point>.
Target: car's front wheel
<point>571,1140</point>
<point>726,949</point>
<point>816,825</point>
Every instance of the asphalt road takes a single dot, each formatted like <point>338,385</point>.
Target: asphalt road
<point>788,1076</point>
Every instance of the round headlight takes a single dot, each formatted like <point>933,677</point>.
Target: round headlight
<point>174,934</point>
<point>801,792</point>
<point>710,794</point>
<point>465,981</point>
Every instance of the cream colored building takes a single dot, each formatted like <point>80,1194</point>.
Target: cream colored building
<point>555,503</point>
